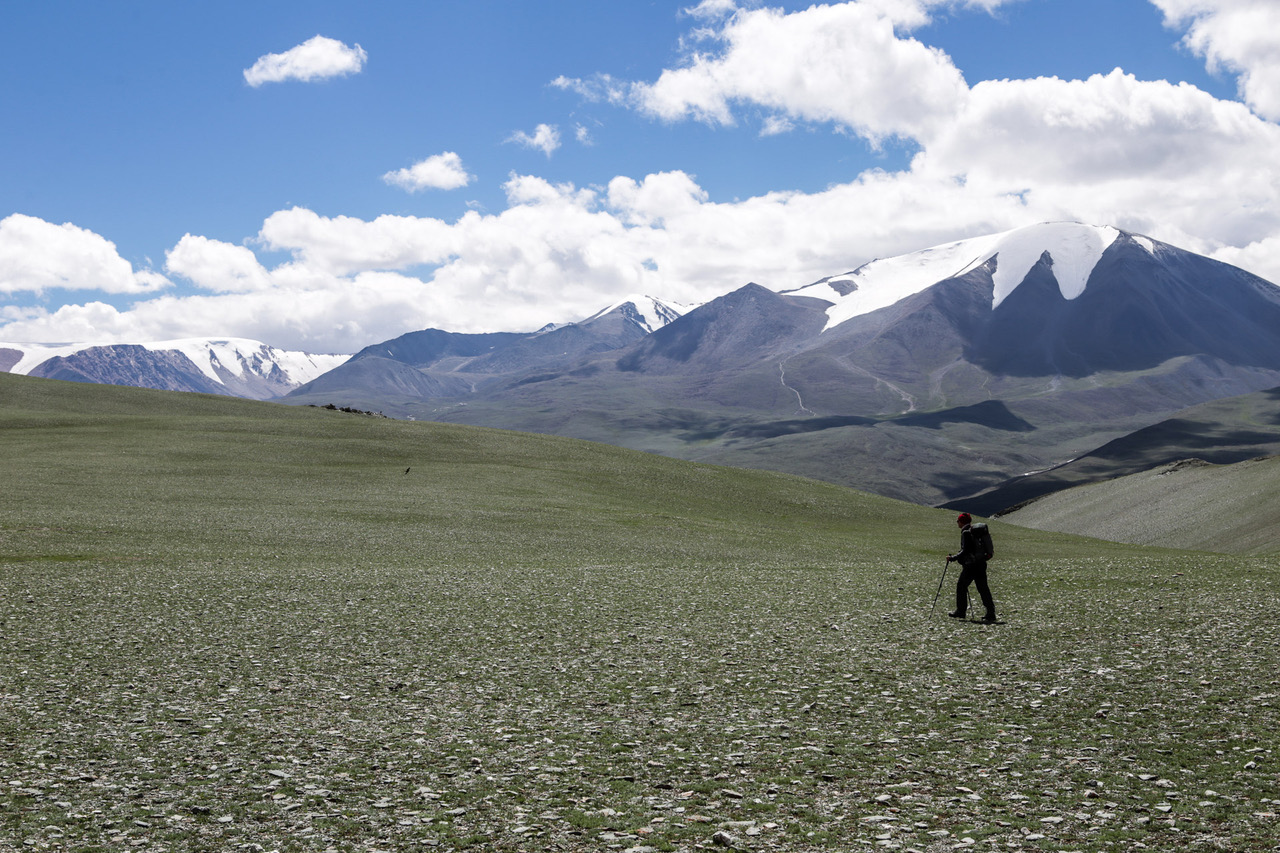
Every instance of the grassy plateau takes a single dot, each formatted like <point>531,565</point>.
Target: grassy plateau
<point>237,626</point>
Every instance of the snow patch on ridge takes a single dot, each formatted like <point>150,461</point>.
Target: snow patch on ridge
<point>654,313</point>
<point>884,281</point>
<point>34,355</point>
<point>1146,243</point>
<point>1074,248</point>
<point>236,356</point>
<point>239,356</point>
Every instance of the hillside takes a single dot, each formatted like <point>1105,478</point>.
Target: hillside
<point>1190,504</point>
<point>144,463</point>
<point>1232,429</point>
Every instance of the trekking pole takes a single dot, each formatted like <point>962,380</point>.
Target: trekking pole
<point>941,580</point>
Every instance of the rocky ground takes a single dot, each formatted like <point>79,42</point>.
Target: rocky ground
<point>633,708</point>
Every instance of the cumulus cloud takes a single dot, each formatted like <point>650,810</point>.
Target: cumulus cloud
<point>1262,257</point>
<point>437,172</point>
<point>545,138</point>
<point>36,256</point>
<point>317,58</point>
<point>844,64</point>
<point>1107,126</point>
<point>343,245</point>
<point>1240,37</point>
<point>1117,150</point>
<point>217,266</point>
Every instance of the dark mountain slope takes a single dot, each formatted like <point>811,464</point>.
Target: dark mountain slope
<point>738,330</point>
<point>125,364</point>
<point>1221,432</point>
<point>434,364</point>
<point>431,346</point>
<point>1137,312</point>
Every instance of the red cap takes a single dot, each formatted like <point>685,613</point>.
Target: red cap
<point>964,518</point>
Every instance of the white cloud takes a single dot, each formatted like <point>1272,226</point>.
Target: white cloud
<point>843,64</point>
<point>36,256</point>
<point>217,266</point>
<point>602,88</point>
<point>439,172</point>
<point>712,10</point>
<point>317,58</point>
<point>777,125</point>
<point>1261,257</point>
<point>1116,150</point>
<point>545,138</point>
<point>92,321</point>
<point>1238,36</point>
<point>343,245</point>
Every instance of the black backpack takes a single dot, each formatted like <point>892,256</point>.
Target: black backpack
<point>982,535</point>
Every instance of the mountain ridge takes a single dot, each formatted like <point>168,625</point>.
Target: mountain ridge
<point>237,367</point>
<point>939,376</point>
<point>1134,332</point>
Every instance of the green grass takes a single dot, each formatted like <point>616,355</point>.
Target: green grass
<point>226,624</point>
<point>1189,504</point>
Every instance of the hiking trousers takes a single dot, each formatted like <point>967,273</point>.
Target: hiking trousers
<point>976,574</point>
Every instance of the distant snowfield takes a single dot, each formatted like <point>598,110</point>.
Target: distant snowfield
<point>236,356</point>
<point>36,354</point>
<point>1074,247</point>
<point>654,313</point>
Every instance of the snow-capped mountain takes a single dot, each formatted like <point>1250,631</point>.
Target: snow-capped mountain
<point>649,313</point>
<point>1057,300</point>
<point>232,366</point>
<point>929,376</point>
<point>1075,250</point>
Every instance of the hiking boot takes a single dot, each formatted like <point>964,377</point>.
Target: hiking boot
<point>956,614</point>
<point>989,619</point>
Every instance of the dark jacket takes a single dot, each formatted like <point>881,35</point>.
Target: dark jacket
<point>970,553</point>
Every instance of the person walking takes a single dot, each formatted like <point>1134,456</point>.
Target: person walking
<point>972,557</point>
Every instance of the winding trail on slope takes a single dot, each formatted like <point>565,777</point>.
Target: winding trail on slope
<point>782,377</point>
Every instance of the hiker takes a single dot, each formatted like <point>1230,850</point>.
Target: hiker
<point>975,550</point>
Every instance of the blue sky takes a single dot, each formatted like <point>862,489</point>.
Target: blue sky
<point>577,152</point>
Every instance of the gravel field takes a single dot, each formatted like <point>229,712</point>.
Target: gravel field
<point>623,707</point>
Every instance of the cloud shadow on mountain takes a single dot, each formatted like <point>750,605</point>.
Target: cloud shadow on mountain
<point>992,414</point>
